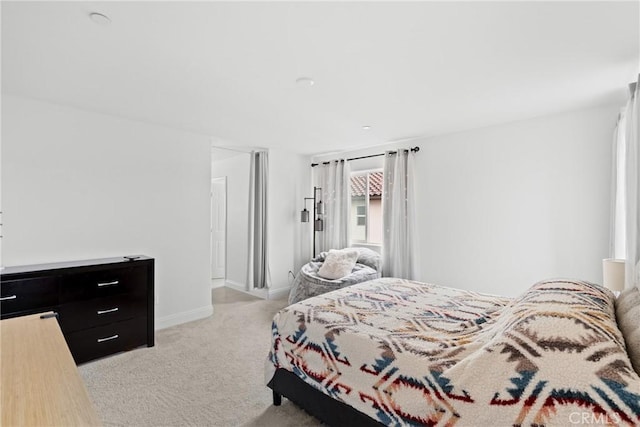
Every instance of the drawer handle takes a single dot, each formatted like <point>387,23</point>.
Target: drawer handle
<point>108,338</point>
<point>115,282</point>
<point>8,298</point>
<point>111,310</point>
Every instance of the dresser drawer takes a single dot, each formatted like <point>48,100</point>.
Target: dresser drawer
<point>28,295</point>
<point>79,315</point>
<point>103,283</point>
<point>101,341</point>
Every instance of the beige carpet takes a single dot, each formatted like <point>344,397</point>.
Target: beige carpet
<point>205,373</point>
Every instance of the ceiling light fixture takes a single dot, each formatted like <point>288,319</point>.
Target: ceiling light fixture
<point>305,81</point>
<point>100,18</point>
<point>366,127</point>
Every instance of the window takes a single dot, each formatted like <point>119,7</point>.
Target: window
<point>366,207</point>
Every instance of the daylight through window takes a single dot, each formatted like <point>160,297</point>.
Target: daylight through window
<point>366,207</point>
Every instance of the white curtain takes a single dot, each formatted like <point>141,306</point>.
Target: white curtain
<point>617,232</point>
<point>625,190</point>
<point>258,262</point>
<point>398,216</point>
<point>334,179</point>
<point>632,269</point>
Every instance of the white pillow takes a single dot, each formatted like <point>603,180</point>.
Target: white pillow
<point>338,263</point>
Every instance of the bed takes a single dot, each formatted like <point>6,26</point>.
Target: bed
<point>398,352</point>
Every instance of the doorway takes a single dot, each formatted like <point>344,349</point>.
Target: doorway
<point>230,215</point>
<point>218,228</point>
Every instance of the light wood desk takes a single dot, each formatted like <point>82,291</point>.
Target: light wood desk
<point>40,383</point>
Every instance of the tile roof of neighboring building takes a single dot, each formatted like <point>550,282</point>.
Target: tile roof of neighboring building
<point>359,182</point>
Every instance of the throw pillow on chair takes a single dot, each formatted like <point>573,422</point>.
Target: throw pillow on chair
<point>338,263</point>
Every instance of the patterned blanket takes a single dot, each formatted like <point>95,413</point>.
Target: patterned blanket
<point>409,353</point>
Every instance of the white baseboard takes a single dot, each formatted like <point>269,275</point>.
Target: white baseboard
<point>236,286</point>
<point>260,293</point>
<point>241,287</point>
<point>219,284</point>
<point>279,292</point>
<point>184,317</point>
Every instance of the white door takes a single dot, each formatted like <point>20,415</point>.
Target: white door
<point>218,227</point>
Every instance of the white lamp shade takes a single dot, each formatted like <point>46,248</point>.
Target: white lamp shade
<point>613,273</point>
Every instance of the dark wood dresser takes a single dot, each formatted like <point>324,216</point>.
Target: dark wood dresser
<point>104,305</point>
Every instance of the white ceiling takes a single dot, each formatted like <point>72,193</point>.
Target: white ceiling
<point>228,69</point>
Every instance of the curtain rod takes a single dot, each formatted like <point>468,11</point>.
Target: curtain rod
<point>247,150</point>
<point>413,149</point>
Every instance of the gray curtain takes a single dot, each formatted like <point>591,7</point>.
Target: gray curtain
<point>258,268</point>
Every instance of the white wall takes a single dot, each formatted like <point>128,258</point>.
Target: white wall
<point>81,185</point>
<point>502,207</point>
<point>236,169</point>
<point>288,185</point>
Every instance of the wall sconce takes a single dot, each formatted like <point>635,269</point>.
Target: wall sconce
<point>318,210</point>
